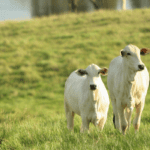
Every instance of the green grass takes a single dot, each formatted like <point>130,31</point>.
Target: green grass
<point>37,56</point>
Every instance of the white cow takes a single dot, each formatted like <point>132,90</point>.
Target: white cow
<point>128,81</point>
<point>86,95</point>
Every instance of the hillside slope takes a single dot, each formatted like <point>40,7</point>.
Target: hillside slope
<point>37,56</point>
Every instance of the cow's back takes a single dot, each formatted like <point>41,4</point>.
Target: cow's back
<point>74,87</point>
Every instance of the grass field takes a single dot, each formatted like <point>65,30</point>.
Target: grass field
<point>37,56</point>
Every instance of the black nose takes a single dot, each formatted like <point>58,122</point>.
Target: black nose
<point>93,87</point>
<point>141,67</point>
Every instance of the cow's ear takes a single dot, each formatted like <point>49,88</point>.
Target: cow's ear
<point>144,51</point>
<point>103,71</point>
<point>82,72</point>
<point>123,53</point>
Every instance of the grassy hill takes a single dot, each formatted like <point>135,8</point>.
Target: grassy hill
<point>37,56</point>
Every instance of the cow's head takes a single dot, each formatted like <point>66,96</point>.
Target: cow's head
<point>131,57</point>
<point>93,73</point>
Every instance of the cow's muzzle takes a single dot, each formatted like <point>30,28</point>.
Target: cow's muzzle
<point>141,67</point>
<point>93,87</point>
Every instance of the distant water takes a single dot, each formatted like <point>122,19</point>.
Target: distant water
<point>15,9</point>
<point>21,9</point>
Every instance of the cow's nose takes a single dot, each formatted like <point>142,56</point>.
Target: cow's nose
<point>141,67</point>
<point>93,87</point>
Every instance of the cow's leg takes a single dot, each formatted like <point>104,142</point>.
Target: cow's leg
<point>128,116</point>
<point>121,111</point>
<point>116,120</point>
<point>136,122</point>
<point>85,124</point>
<point>69,116</point>
<point>102,123</point>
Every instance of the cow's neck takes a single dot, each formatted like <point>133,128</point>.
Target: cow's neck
<point>94,97</point>
<point>127,74</point>
<point>128,78</point>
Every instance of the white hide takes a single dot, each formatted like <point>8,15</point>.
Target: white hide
<point>128,86</point>
<point>91,105</point>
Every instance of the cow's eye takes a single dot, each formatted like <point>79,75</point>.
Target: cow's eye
<point>128,54</point>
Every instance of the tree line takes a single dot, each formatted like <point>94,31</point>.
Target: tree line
<point>47,7</point>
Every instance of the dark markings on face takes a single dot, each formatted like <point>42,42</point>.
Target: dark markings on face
<point>82,72</point>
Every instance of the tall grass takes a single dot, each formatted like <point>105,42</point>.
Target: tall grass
<point>37,56</point>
